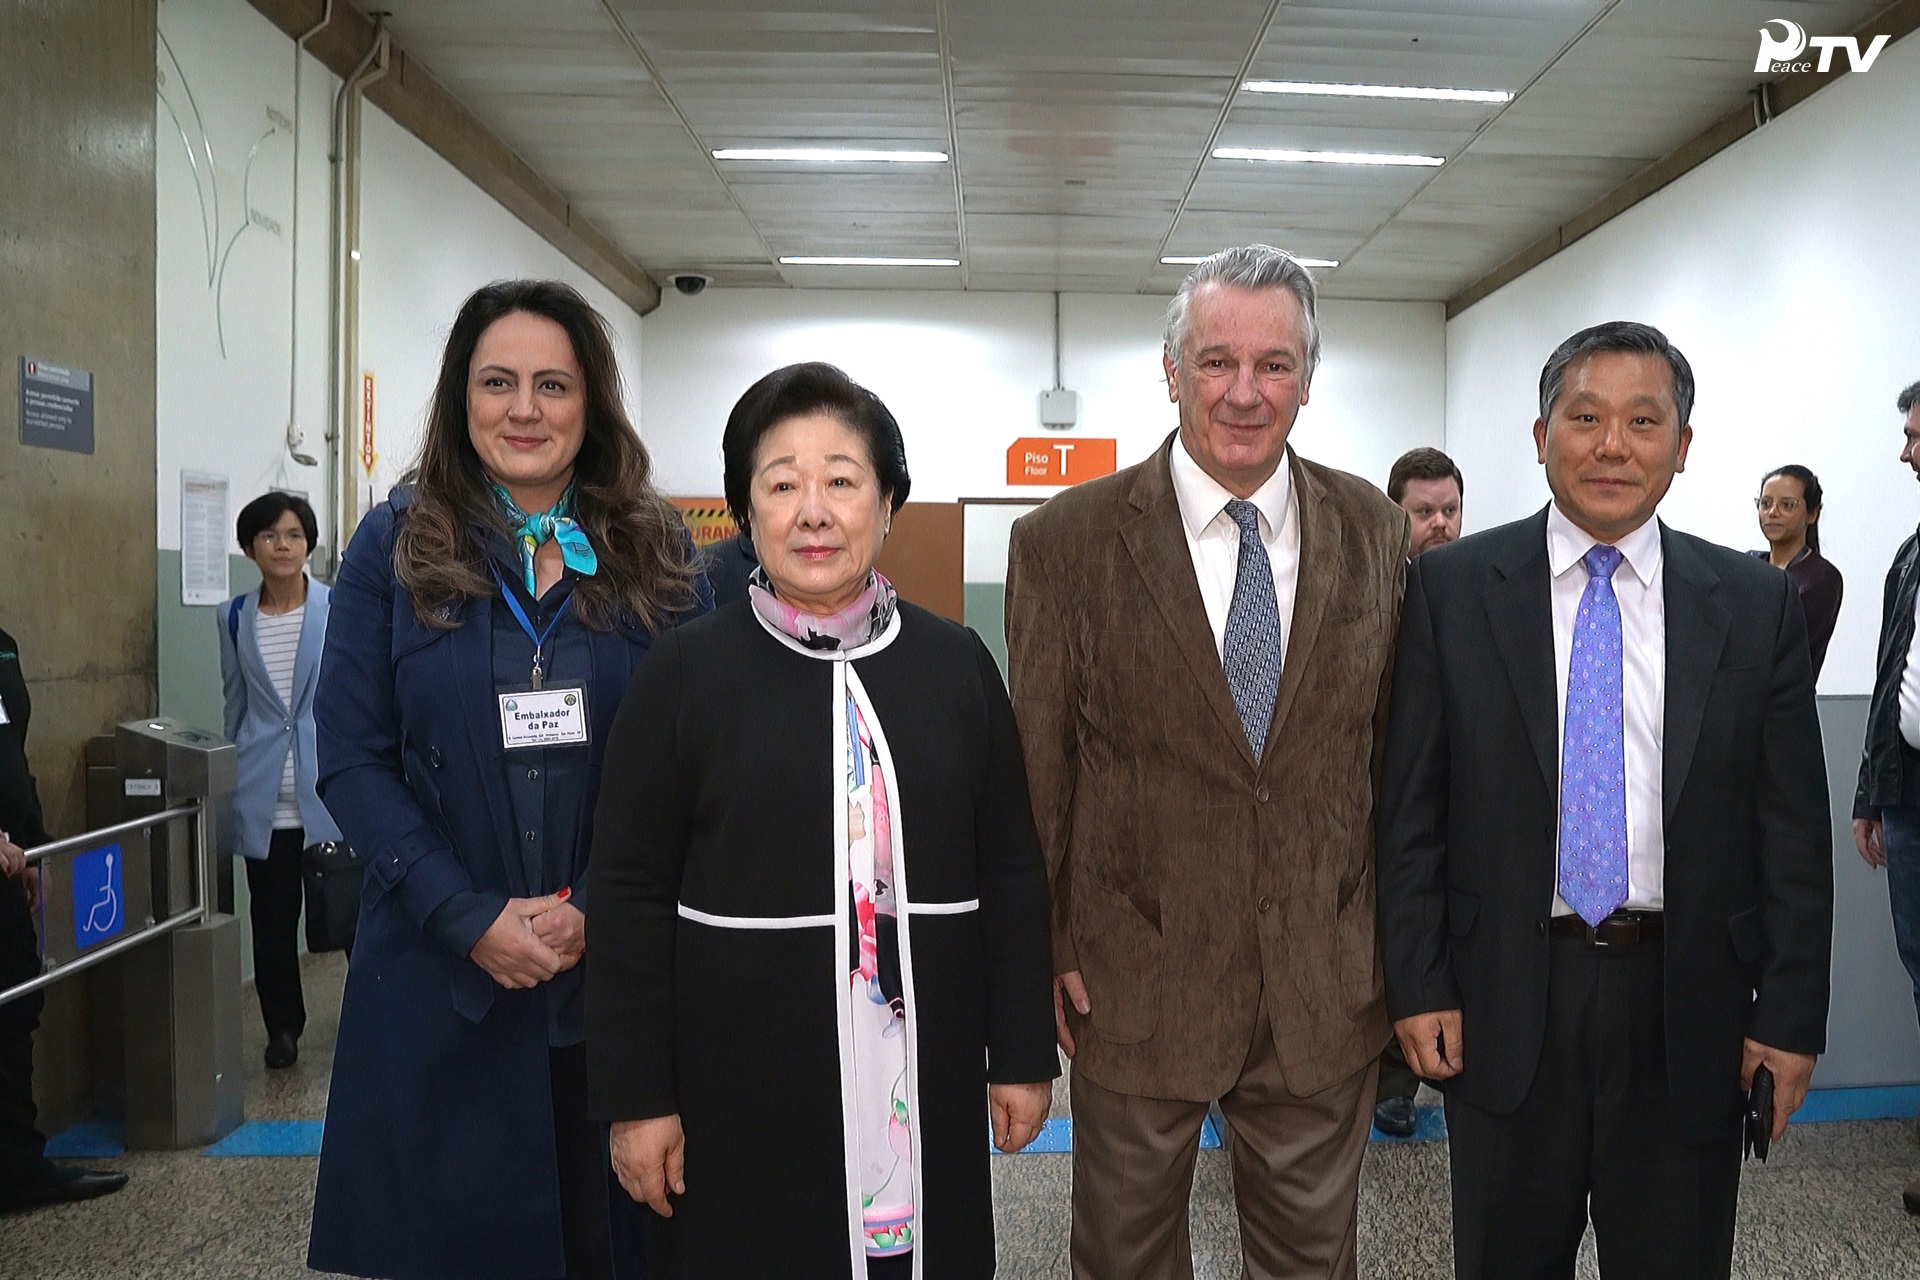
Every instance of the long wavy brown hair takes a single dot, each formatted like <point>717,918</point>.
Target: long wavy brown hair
<point>646,568</point>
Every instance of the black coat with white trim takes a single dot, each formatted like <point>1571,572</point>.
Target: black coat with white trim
<point>715,882</point>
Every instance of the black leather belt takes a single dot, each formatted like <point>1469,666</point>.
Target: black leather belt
<point>1621,929</point>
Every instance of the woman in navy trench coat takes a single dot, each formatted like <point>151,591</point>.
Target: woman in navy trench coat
<point>457,1143</point>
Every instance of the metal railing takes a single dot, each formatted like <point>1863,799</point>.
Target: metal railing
<point>53,970</point>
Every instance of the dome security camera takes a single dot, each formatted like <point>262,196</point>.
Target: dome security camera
<point>691,283</point>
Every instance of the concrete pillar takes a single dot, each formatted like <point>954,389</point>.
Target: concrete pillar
<point>77,530</point>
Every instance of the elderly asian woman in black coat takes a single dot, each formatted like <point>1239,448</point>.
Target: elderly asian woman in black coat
<point>820,911</point>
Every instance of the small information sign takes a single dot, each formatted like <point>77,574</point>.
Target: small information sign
<point>99,906</point>
<point>1038,460</point>
<point>56,406</point>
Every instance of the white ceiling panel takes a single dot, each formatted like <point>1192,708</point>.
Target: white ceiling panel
<point>1080,131</point>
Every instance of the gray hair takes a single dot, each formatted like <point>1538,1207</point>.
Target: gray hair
<point>1908,398</point>
<point>1629,337</point>
<point>1251,266</point>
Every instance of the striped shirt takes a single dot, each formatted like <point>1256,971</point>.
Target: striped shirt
<point>278,636</point>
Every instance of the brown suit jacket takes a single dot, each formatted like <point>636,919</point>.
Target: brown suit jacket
<point>1190,880</point>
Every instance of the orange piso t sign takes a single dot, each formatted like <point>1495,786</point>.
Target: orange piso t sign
<point>1038,460</point>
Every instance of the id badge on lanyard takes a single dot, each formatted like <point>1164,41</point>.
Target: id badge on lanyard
<point>542,714</point>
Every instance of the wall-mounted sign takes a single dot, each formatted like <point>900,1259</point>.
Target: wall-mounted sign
<point>367,455</point>
<point>1039,460</point>
<point>708,519</point>
<point>56,406</point>
<point>203,538</point>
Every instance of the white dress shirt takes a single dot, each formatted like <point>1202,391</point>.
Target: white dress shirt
<point>1213,539</point>
<point>1643,662</point>
<point>1909,704</point>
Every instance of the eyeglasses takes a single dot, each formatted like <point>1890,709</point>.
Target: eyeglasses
<point>1785,506</point>
<point>272,537</point>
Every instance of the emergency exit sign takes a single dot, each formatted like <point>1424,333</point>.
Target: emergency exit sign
<point>1038,460</point>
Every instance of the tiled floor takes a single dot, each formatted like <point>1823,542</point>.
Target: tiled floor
<point>1827,1207</point>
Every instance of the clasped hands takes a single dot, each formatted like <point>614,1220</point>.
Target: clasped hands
<point>1432,1044</point>
<point>532,941</point>
<point>650,1156</point>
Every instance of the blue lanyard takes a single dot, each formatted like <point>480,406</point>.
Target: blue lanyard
<point>526,624</point>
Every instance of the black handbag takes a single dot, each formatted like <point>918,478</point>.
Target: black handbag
<point>331,876</point>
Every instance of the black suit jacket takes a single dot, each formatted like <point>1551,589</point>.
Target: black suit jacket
<point>19,797</point>
<point>1470,809</point>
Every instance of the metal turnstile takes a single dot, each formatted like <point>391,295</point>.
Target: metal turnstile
<point>143,888</point>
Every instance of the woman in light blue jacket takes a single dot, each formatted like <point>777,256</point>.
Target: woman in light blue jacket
<point>270,646</point>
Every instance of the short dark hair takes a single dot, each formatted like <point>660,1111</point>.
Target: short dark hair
<point>1810,492</point>
<point>1908,398</point>
<point>1422,464</point>
<point>265,511</point>
<point>794,392</point>
<point>1627,336</point>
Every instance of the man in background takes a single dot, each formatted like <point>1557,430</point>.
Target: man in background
<point>1428,487</point>
<point>1886,808</point>
<point>27,1177</point>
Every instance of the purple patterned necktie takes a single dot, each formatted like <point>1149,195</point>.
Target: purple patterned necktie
<point>1593,759</point>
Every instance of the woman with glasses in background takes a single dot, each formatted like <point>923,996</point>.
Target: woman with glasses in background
<point>1789,507</point>
<point>270,642</point>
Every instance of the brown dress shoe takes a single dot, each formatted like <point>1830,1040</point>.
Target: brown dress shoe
<point>1912,1196</point>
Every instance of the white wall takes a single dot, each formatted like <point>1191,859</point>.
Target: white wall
<point>429,237</point>
<point>962,373</point>
<point>1785,269</point>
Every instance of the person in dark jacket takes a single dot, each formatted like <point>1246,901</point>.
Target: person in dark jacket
<point>1789,507</point>
<point>820,911</point>
<point>27,1177</point>
<point>1605,851</point>
<point>729,564</point>
<point>1886,807</point>
<point>485,623</point>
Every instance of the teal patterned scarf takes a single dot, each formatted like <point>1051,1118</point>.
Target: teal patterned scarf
<point>555,522</point>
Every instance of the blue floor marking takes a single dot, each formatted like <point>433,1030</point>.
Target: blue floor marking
<point>89,1140</point>
<point>1431,1123</point>
<point>101,1139</point>
<point>1056,1138</point>
<point>1889,1102</point>
<point>270,1138</point>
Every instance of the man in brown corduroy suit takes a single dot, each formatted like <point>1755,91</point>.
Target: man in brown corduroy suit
<point>1200,652</point>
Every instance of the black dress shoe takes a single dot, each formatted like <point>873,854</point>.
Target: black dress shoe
<point>67,1186</point>
<point>283,1049</point>
<point>1396,1117</point>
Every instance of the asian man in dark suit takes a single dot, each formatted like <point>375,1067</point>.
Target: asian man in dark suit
<point>1604,847</point>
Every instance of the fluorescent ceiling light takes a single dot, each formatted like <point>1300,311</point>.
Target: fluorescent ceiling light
<point>1306,87</point>
<point>830,155</point>
<point>868,262</point>
<point>1281,155</point>
<point>1195,259</point>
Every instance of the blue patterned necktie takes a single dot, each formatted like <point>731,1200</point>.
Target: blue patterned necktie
<point>1593,761</point>
<point>1250,649</point>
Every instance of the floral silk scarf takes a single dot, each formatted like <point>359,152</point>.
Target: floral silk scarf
<point>883,1117</point>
